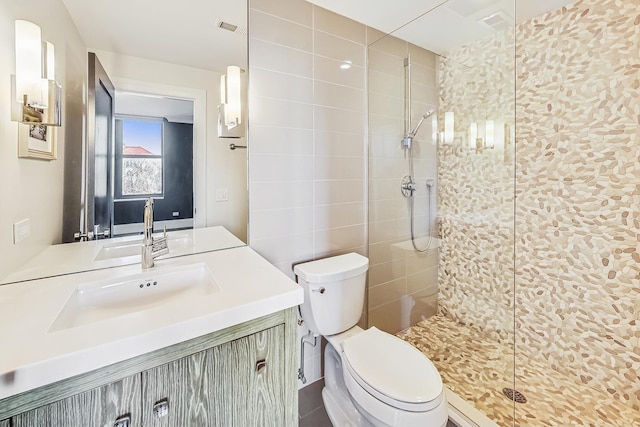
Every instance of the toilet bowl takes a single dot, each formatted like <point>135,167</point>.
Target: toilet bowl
<point>372,378</point>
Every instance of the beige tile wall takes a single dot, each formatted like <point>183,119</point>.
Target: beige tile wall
<point>306,137</point>
<point>402,282</point>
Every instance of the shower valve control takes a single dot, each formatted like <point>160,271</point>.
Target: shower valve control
<point>407,186</point>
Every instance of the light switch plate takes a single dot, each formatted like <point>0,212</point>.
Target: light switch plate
<point>222,195</point>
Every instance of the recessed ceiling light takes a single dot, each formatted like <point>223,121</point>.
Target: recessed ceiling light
<point>345,65</point>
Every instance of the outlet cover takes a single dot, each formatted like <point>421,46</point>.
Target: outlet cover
<point>21,230</point>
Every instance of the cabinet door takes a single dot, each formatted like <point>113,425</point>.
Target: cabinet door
<point>249,380</point>
<point>98,407</point>
<point>239,383</point>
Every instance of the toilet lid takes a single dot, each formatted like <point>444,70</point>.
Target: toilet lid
<point>392,370</point>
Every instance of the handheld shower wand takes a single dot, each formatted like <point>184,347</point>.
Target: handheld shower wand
<point>408,139</point>
<point>426,115</point>
<point>408,185</point>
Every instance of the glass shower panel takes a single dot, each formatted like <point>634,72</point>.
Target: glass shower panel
<point>578,215</point>
<point>446,285</point>
<point>476,219</point>
<point>402,280</point>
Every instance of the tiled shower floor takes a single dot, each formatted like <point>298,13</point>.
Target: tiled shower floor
<point>478,370</point>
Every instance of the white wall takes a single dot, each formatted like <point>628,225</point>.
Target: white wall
<point>34,188</point>
<point>225,169</point>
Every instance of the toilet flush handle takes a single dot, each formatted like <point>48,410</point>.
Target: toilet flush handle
<point>321,290</point>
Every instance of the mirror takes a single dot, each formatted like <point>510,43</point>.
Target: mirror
<point>157,49</point>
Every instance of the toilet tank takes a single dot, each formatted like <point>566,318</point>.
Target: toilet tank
<point>333,292</point>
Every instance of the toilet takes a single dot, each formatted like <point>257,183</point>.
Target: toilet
<point>372,378</point>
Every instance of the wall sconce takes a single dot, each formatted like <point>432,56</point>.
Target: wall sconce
<point>448,127</point>
<point>36,97</point>
<point>231,96</point>
<point>492,136</point>
<point>230,108</point>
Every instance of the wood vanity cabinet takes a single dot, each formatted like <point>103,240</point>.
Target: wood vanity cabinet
<point>241,376</point>
<point>97,407</point>
<point>235,384</point>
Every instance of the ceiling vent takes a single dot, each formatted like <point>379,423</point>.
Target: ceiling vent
<point>498,20</point>
<point>230,27</point>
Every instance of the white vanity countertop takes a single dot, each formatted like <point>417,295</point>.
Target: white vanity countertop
<point>84,256</point>
<point>33,355</point>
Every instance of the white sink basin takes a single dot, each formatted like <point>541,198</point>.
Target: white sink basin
<point>129,248</point>
<point>101,300</point>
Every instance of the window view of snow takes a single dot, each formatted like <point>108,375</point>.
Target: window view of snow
<point>141,176</point>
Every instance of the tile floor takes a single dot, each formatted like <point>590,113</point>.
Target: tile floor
<point>477,370</point>
<point>311,409</point>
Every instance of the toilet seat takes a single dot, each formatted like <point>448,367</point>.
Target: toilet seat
<point>392,370</point>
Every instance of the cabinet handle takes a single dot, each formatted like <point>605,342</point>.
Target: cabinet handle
<point>161,408</point>
<point>123,421</point>
<point>261,365</point>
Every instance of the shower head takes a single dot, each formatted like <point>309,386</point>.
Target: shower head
<point>426,115</point>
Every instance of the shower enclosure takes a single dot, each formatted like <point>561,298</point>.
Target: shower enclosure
<point>434,266</point>
<point>478,249</point>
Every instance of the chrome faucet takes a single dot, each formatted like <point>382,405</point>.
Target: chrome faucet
<point>151,248</point>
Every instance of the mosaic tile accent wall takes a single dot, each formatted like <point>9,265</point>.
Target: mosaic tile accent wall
<point>476,188</point>
<point>578,193</point>
<point>577,217</point>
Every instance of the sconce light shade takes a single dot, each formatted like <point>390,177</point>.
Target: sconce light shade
<point>36,97</point>
<point>49,61</point>
<point>223,89</point>
<point>434,128</point>
<point>233,109</point>
<point>473,135</point>
<point>29,63</point>
<point>489,134</point>
<point>448,127</point>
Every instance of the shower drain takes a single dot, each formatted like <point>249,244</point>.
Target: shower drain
<point>514,395</point>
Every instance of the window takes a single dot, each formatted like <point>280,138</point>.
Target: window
<point>139,167</point>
